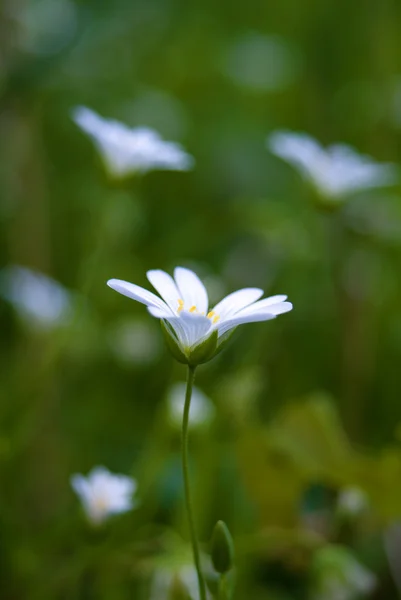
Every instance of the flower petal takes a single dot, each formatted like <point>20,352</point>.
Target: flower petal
<point>197,326</point>
<point>179,327</point>
<point>300,150</point>
<point>192,290</point>
<point>191,328</point>
<point>240,320</point>
<point>279,308</point>
<point>236,301</point>
<point>80,485</point>
<point>264,305</point>
<point>136,293</point>
<point>166,286</point>
<point>160,313</point>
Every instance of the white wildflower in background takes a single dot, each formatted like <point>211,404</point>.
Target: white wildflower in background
<point>184,307</point>
<point>129,150</point>
<point>103,493</point>
<point>38,299</point>
<point>340,576</point>
<point>352,501</point>
<point>335,171</point>
<point>134,341</point>
<point>201,410</point>
<point>174,573</point>
<point>165,581</point>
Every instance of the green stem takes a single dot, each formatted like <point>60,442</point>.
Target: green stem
<point>194,541</point>
<point>223,592</point>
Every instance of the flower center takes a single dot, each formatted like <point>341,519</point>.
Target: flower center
<point>100,503</point>
<point>210,315</point>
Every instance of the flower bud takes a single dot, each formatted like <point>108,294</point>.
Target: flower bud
<point>222,548</point>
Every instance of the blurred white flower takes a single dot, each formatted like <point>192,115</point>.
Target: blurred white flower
<point>335,171</point>
<point>134,341</point>
<point>201,409</point>
<point>352,501</point>
<point>164,580</point>
<point>339,576</point>
<point>102,493</point>
<point>126,150</point>
<point>167,579</point>
<point>38,299</point>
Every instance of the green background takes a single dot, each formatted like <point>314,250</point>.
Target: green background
<point>305,405</point>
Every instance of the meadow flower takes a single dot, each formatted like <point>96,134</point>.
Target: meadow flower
<point>166,581</point>
<point>193,331</point>
<point>173,573</point>
<point>103,493</point>
<point>352,501</point>
<point>335,171</point>
<point>37,298</point>
<point>129,150</point>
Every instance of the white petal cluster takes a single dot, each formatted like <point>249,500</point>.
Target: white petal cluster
<point>103,493</point>
<point>129,150</point>
<point>335,171</point>
<point>38,299</point>
<point>184,304</point>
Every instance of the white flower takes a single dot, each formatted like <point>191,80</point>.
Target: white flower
<point>165,579</point>
<point>127,150</point>
<point>134,341</point>
<point>201,410</point>
<point>352,501</point>
<point>102,493</point>
<point>37,298</point>
<point>335,171</point>
<point>185,307</point>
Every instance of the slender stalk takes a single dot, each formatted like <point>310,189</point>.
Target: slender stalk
<point>185,470</point>
<point>223,588</point>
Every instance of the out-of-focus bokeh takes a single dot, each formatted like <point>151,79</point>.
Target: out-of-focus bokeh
<point>296,431</point>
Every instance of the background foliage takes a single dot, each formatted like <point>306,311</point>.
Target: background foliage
<point>307,405</point>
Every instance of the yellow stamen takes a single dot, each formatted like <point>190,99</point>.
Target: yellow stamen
<point>180,305</point>
<point>192,309</point>
<point>216,319</point>
<point>210,314</point>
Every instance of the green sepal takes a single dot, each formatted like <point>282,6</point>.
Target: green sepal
<point>172,343</point>
<point>223,340</point>
<point>222,548</point>
<point>204,351</point>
